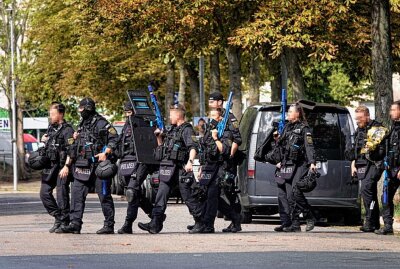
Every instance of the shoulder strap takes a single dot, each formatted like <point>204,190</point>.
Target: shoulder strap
<point>183,127</point>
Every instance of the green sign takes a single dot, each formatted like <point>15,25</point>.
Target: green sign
<point>5,123</point>
<point>3,113</point>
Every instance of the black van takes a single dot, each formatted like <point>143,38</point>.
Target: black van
<point>335,195</point>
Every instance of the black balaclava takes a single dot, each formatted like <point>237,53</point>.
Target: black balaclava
<point>89,108</point>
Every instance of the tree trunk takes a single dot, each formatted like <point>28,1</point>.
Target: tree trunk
<point>215,75</point>
<point>20,144</point>
<point>194,89</point>
<point>295,74</point>
<point>169,91</point>
<point>381,56</point>
<point>254,79</point>
<point>233,56</point>
<point>274,71</point>
<point>182,80</point>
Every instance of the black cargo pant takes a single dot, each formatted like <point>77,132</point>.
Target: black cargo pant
<point>58,209</point>
<point>301,204</point>
<point>369,194</point>
<point>232,196</point>
<point>215,201</point>
<point>135,183</point>
<point>388,209</point>
<point>79,192</point>
<point>162,196</point>
<point>285,203</point>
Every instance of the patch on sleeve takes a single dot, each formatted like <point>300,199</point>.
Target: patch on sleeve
<point>112,131</point>
<point>235,124</point>
<point>71,141</point>
<point>309,138</point>
<point>195,139</point>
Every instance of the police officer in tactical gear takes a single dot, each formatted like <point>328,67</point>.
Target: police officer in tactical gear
<point>216,100</point>
<point>57,141</point>
<point>215,175</point>
<point>94,142</point>
<point>297,158</point>
<point>135,173</point>
<point>393,154</point>
<point>176,151</point>
<point>367,168</point>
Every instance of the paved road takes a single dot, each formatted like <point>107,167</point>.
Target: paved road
<point>25,243</point>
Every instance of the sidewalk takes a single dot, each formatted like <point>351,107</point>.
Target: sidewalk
<point>31,186</point>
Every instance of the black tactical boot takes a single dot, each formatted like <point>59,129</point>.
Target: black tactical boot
<point>126,228</point>
<point>279,228</point>
<point>63,225</point>
<point>154,226</point>
<point>72,228</point>
<point>310,224</point>
<point>190,227</point>
<point>367,227</point>
<point>198,227</point>
<point>106,230</point>
<point>56,225</point>
<point>234,227</point>
<point>208,230</point>
<point>294,228</point>
<point>228,229</point>
<point>386,230</point>
<point>237,227</point>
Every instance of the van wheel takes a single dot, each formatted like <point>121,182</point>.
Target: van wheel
<point>352,217</point>
<point>247,217</point>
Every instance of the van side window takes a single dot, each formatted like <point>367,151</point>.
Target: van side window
<point>266,125</point>
<point>328,133</point>
<point>347,129</point>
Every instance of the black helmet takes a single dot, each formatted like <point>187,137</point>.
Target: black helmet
<point>87,103</point>
<point>38,162</point>
<point>106,170</point>
<point>308,182</point>
<point>89,108</point>
<point>199,191</point>
<point>128,106</point>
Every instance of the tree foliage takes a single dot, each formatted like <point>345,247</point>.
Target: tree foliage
<point>101,48</point>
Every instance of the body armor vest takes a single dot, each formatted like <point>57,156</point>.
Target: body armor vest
<point>174,147</point>
<point>208,151</point>
<point>293,139</point>
<point>90,143</point>
<point>55,146</point>
<point>394,146</point>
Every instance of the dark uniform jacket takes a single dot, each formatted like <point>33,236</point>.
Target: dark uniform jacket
<point>360,137</point>
<point>177,144</point>
<point>208,149</point>
<point>296,144</point>
<point>59,142</point>
<point>233,127</point>
<point>393,149</point>
<point>95,134</point>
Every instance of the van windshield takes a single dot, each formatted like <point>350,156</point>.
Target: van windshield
<point>332,131</point>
